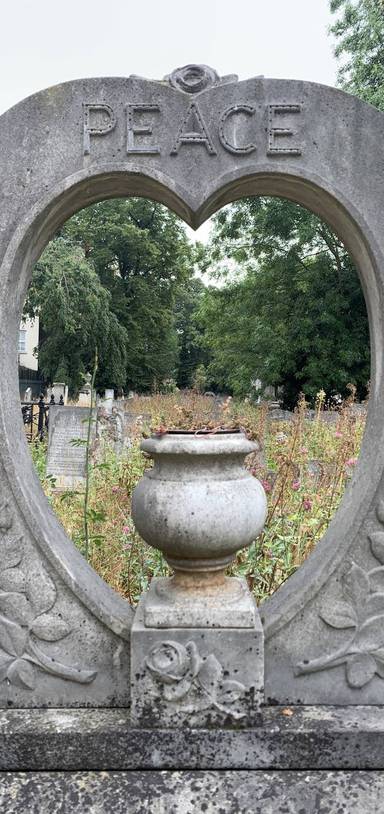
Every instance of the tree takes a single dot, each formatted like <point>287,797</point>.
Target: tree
<point>192,352</point>
<point>142,256</point>
<point>75,316</point>
<point>292,311</point>
<point>359,33</point>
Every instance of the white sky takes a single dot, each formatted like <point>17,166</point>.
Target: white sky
<point>45,42</point>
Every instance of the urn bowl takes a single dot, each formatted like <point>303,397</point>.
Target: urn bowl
<point>198,504</point>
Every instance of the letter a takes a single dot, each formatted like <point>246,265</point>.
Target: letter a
<point>193,131</point>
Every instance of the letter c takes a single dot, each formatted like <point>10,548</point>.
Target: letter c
<point>233,111</point>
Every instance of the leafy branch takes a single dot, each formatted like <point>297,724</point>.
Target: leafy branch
<point>361,611</point>
<point>28,617</point>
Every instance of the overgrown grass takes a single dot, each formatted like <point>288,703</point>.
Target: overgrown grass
<point>304,467</point>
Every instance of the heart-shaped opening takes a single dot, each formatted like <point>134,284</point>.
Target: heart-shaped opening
<point>307,458</point>
<point>29,240</point>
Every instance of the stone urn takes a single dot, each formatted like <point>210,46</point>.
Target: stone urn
<point>199,506</point>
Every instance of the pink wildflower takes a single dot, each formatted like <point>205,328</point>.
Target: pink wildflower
<point>126,529</point>
<point>303,450</point>
<point>267,486</point>
<point>115,488</point>
<point>338,434</point>
<point>295,485</point>
<point>307,504</point>
<point>351,462</point>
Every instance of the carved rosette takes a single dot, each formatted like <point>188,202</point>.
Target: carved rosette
<point>360,611</point>
<point>27,615</point>
<point>195,78</point>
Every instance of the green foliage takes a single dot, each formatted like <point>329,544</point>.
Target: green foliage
<point>75,317</point>
<point>192,352</point>
<point>142,256</point>
<point>291,311</point>
<point>110,279</point>
<point>300,503</point>
<point>359,33</point>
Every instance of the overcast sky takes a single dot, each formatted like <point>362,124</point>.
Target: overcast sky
<point>44,42</point>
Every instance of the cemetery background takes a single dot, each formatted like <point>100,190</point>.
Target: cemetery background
<point>378,516</point>
<point>305,462</point>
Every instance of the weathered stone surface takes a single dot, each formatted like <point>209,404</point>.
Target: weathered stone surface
<point>66,459</point>
<point>193,792</point>
<point>198,675</point>
<point>293,738</point>
<point>231,606</point>
<point>74,144</point>
<point>197,646</point>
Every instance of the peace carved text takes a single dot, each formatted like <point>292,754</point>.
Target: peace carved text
<point>235,129</point>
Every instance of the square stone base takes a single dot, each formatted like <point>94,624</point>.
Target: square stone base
<point>195,677</point>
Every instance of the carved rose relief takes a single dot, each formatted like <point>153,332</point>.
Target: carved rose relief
<point>28,617</point>
<point>361,613</point>
<point>184,674</point>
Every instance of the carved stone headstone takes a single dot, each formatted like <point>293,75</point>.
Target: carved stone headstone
<point>68,428</point>
<point>195,143</point>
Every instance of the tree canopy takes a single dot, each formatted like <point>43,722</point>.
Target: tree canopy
<point>75,316</point>
<point>359,34</point>
<point>111,277</point>
<point>291,311</point>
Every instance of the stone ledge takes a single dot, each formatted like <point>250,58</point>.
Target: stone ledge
<point>161,792</point>
<point>100,739</point>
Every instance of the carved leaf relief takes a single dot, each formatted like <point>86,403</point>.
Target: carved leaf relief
<point>341,615</point>
<point>27,599</point>
<point>361,612</point>
<point>377,545</point>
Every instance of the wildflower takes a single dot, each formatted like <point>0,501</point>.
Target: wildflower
<point>307,504</point>
<point>126,529</point>
<point>267,486</point>
<point>351,462</point>
<point>295,485</point>
<point>303,450</point>
<point>338,434</point>
<point>115,489</point>
<point>126,546</point>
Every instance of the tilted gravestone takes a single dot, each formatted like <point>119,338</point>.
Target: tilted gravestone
<point>194,142</point>
<point>67,438</point>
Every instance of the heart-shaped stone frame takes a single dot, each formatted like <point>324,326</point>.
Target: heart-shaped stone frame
<point>88,140</point>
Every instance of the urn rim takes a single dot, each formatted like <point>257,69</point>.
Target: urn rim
<point>199,443</point>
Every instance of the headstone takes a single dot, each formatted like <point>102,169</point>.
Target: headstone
<point>135,421</point>
<point>85,394</point>
<point>315,469</point>
<point>66,461</point>
<point>110,430</point>
<point>107,402</point>
<point>193,142</point>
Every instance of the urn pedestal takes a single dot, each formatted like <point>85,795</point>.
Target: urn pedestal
<point>197,639</point>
